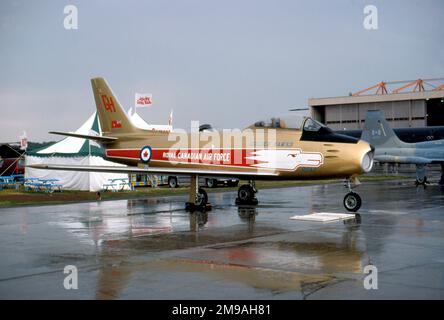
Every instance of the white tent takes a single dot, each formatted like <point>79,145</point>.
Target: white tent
<point>142,124</point>
<point>74,151</point>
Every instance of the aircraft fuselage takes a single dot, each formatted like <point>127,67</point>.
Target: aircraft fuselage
<point>279,151</point>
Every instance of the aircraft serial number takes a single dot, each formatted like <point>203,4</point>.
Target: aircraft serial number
<point>243,309</point>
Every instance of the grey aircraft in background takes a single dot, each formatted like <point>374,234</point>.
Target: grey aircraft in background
<point>389,149</point>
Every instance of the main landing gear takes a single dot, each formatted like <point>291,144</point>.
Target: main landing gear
<point>198,198</point>
<point>246,194</point>
<point>421,178</point>
<point>352,200</point>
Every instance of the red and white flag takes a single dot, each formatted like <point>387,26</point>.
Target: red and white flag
<point>170,119</point>
<point>143,99</point>
<point>23,141</point>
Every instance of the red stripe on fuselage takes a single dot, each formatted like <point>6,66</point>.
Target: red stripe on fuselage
<point>232,157</point>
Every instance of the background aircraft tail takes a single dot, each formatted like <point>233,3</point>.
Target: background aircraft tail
<point>378,132</point>
<point>113,118</point>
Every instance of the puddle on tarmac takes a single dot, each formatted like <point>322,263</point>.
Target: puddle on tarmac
<point>277,281</point>
<point>278,266</point>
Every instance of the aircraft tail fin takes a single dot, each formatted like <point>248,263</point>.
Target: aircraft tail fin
<point>378,132</point>
<point>113,118</point>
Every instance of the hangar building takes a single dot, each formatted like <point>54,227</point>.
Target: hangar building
<point>416,103</point>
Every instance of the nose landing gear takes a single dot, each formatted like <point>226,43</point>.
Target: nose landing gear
<point>352,201</point>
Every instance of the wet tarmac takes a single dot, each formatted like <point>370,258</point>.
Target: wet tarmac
<point>153,249</point>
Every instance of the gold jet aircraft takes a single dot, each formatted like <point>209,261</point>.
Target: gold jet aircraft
<point>278,149</point>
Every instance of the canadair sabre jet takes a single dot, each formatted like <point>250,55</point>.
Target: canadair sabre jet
<point>279,149</point>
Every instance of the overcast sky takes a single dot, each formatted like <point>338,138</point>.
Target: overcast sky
<point>227,62</point>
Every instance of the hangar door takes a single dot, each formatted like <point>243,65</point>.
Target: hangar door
<point>435,112</point>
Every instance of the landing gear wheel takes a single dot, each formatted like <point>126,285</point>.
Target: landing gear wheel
<point>352,201</point>
<point>172,182</point>
<point>211,183</point>
<point>420,181</point>
<point>202,198</point>
<point>245,193</point>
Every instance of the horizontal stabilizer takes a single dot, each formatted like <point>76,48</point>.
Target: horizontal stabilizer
<point>85,136</point>
<point>157,170</point>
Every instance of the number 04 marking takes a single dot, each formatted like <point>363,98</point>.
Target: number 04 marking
<point>108,103</point>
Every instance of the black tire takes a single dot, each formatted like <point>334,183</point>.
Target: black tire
<point>245,193</point>
<point>352,201</point>
<point>421,181</point>
<point>202,198</point>
<point>172,182</point>
<point>211,183</point>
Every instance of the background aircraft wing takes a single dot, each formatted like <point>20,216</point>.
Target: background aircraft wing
<point>157,170</point>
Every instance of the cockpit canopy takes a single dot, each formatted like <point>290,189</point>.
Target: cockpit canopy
<point>312,125</point>
<point>291,122</point>
<point>311,130</point>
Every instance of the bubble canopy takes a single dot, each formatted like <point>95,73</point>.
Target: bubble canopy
<point>290,122</point>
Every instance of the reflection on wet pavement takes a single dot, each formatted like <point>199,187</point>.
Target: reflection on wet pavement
<point>153,249</point>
